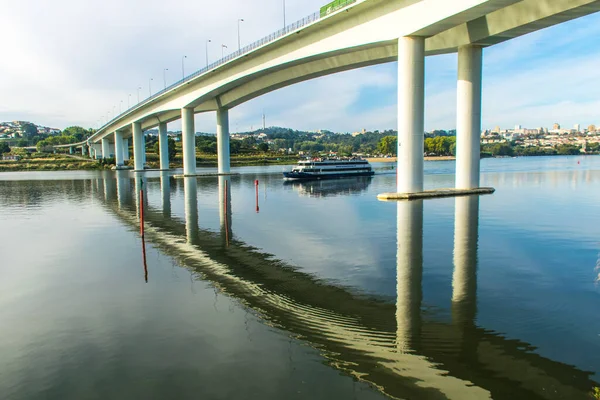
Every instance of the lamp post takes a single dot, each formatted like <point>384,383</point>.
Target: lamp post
<point>165,76</point>
<point>239,41</point>
<point>129,101</point>
<point>223,47</point>
<point>150,87</point>
<point>283,14</point>
<point>182,68</point>
<point>120,106</point>
<point>207,42</point>
<point>138,90</point>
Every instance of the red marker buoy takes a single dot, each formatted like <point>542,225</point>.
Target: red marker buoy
<point>256,186</point>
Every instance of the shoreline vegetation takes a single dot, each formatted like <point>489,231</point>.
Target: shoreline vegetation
<point>269,146</point>
<point>63,162</point>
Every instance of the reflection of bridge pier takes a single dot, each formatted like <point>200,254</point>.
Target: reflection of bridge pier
<point>165,191</point>
<point>403,353</point>
<point>123,188</point>
<point>409,273</point>
<point>110,188</point>
<point>464,278</point>
<point>140,186</point>
<point>225,206</point>
<point>190,190</point>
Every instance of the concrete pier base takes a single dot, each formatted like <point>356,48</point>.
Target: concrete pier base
<point>431,194</point>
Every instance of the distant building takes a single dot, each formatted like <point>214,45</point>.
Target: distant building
<point>10,158</point>
<point>591,128</point>
<point>577,127</point>
<point>556,126</point>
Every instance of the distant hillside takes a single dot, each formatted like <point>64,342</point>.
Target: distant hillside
<point>24,129</point>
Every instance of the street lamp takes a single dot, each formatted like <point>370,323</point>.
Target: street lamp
<point>150,87</point>
<point>283,14</point>
<point>223,47</point>
<point>239,41</point>
<point>165,76</point>
<point>129,101</point>
<point>120,106</point>
<point>207,42</point>
<point>182,69</point>
<point>138,89</point>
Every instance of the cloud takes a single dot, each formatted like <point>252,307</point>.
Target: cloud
<point>75,62</point>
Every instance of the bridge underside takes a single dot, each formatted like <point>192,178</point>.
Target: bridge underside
<point>368,32</point>
<point>511,20</point>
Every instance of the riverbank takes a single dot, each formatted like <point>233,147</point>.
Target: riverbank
<point>67,162</point>
<point>51,162</point>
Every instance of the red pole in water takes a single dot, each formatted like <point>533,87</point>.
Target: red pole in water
<point>144,259</point>
<point>142,213</point>
<point>256,184</point>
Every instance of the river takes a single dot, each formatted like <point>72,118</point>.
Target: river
<point>301,290</point>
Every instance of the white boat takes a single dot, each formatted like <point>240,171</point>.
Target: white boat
<point>328,168</point>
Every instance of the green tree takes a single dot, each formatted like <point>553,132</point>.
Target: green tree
<point>22,143</point>
<point>235,146</point>
<point>29,129</point>
<point>206,144</point>
<point>264,147</point>
<point>77,132</point>
<point>388,145</point>
<point>4,148</point>
<point>567,149</point>
<point>171,148</point>
<point>502,149</point>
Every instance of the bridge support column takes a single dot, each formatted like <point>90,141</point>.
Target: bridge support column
<point>105,148</point>
<point>223,141</point>
<point>468,124</point>
<point>188,135</point>
<point>125,149</point>
<point>83,150</point>
<point>163,145</point>
<point>411,109</point>
<point>119,149</point>
<point>138,146</point>
<point>409,273</point>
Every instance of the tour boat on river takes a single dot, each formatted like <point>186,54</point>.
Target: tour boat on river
<point>328,168</point>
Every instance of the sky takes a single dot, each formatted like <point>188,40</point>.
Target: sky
<point>69,62</point>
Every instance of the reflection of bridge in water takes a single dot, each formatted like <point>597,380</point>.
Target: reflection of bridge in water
<point>400,349</point>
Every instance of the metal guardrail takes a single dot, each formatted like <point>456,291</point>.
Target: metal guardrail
<point>238,53</point>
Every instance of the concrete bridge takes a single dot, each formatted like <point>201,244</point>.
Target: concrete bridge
<point>359,33</point>
<point>399,348</point>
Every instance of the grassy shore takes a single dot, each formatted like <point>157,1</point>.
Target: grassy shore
<point>66,162</point>
<point>50,162</point>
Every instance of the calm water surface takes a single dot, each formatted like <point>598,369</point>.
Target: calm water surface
<point>320,291</point>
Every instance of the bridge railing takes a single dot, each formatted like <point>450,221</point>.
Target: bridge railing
<point>238,53</point>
